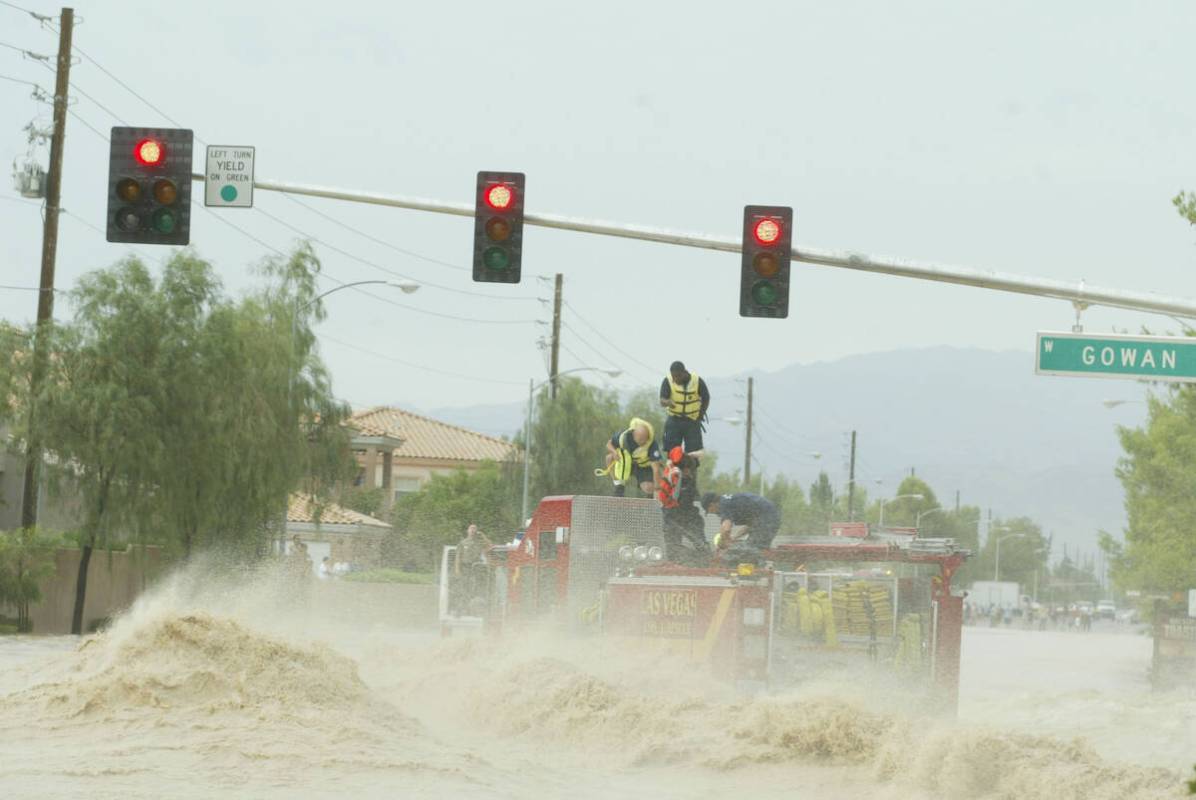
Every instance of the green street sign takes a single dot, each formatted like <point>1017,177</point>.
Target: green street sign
<point>1152,358</point>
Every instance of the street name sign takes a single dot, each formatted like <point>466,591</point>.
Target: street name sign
<point>228,181</point>
<point>1149,358</point>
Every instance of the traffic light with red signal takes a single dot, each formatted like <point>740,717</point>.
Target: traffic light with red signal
<point>498,227</point>
<point>149,186</point>
<point>764,274</point>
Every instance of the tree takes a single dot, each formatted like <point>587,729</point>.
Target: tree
<point>1158,473</point>
<point>247,404</point>
<point>26,559</point>
<point>569,436</point>
<point>438,515</point>
<point>1185,204</point>
<point>167,406</point>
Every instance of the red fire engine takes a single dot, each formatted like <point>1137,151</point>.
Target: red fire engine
<point>861,599</point>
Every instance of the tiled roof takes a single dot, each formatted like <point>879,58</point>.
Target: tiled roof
<point>429,438</point>
<point>302,508</point>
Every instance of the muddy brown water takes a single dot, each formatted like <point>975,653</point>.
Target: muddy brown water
<point>247,692</point>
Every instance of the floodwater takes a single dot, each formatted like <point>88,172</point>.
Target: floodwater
<point>245,692</point>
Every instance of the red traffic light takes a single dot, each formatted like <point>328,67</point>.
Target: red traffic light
<point>500,197</point>
<point>767,231</point>
<point>150,152</point>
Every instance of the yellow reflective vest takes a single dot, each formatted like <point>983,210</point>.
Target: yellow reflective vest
<point>685,401</point>
<point>639,453</point>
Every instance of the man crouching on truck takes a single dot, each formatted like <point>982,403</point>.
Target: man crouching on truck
<point>633,455</point>
<point>758,519</point>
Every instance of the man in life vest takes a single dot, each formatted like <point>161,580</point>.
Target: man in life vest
<point>757,519</point>
<point>633,454</point>
<point>686,398</point>
<point>684,530</point>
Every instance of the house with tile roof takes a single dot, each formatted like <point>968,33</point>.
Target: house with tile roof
<point>399,451</point>
<point>327,529</point>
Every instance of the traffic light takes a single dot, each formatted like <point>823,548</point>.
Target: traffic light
<point>498,227</point>
<point>149,186</point>
<point>764,275</point>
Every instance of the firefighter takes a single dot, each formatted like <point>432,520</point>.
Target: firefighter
<point>686,398</point>
<point>678,497</point>
<point>633,454</point>
<point>757,517</point>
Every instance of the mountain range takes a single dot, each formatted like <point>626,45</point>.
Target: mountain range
<point>976,422</point>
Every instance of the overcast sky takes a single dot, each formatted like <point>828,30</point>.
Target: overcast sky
<point>1037,138</point>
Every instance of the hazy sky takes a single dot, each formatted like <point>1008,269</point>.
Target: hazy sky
<point>1036,138</point>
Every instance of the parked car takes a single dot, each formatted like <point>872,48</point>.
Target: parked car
<point>1105,609</point>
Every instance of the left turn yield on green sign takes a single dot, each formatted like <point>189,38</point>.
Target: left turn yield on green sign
<point>228,180</point>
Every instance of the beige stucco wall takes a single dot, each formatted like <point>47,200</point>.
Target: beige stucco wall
<point>114,580</point>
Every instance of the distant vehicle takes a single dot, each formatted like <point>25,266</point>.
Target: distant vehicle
<point>1105,609</point>
<point>1002,594</point>
<point>1127,615</point>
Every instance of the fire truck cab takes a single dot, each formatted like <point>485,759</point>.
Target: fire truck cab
<point>857,599</point>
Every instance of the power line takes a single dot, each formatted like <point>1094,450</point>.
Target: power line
<point>589,346</point>
<point>35,15</point>
<point>613,346</point>
<point>387,270</point>
<point>422,367</point>
<point>132,91</point>
<point>18,80</point>
<point>372,238</point>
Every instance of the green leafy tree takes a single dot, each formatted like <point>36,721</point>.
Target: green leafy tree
<point>569,436</point>
<point>437,515</point>
<point>1185,204</point>
<point>1158,473</point>
<point>26,559</point>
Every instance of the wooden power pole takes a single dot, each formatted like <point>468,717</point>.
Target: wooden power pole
<point>45,295</point>
<point>747,444</point>
<point>851,483</point>
<point>556,334</point>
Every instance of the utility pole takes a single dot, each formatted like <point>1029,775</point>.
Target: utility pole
<point>747,445</point>
<point>851,483</point>
<point>956,501</point>
<point>556,333</point>
<point>45,295</point>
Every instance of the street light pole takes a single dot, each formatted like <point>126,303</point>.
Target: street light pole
<point>407,288</point>
<point>918,518</point>
<point>884,500</point>
<point>532,386</point>
<point>997,565</point>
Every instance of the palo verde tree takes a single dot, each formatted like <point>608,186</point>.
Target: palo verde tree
<point>26,559</point>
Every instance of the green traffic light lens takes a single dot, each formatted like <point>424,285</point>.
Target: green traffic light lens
<point>766,265</point>
<point>128,220</point>
<point>165,220</point>
<point>165,192</point>
<point>498,230</point>
<point>496,258</point>
<point>765,293</point>
<point>128,190</point>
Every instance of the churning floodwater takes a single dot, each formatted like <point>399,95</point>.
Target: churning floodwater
<point>247,692</point>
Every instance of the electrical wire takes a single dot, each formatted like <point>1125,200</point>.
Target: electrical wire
<point>434,370</point>
<point>374,239</point>
<point>603,337</point>
<point>35,15</point>
<point>18,80</point>
<point>589,346</point>
<point>131,91</point>
<point>387,270</point>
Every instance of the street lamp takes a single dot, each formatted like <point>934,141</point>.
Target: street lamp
<point>918,518</point>
<point>406,288</point>
<point>884,500</point>
<point>532,386</point>
<point>997,566</point>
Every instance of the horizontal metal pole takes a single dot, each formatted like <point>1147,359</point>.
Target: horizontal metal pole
<point>843,259</point>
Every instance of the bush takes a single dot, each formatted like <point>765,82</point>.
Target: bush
<point>391,576</point>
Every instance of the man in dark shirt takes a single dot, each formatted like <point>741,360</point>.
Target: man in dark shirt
<point>682,519</point>
<point>686,399</point>
<point>758,517</point>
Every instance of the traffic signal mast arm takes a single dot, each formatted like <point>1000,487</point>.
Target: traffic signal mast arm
<point>964,276</point>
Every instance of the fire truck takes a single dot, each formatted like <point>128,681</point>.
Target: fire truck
<point>858,599</point>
